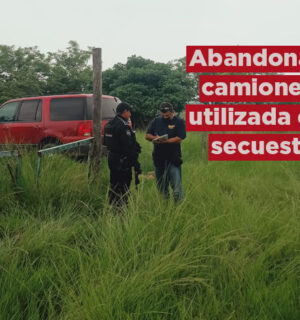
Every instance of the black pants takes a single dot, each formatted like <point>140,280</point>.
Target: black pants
<point>120,180</point>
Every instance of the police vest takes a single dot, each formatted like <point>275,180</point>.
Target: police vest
<point>111,141</point>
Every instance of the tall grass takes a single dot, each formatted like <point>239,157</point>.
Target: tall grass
<point>230,250</point>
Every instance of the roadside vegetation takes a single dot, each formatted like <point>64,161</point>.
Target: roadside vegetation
<point>144,83</point>
<point>230,250</point>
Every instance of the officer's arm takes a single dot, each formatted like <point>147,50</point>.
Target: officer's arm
<point>172,140</point>
<point>128,144</point>
<point>150,137</point>
<point>125,140</point>
<point>130,148</point>
<point>150,131</point>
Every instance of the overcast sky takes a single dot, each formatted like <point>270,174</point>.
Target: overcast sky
<point>154,29</point>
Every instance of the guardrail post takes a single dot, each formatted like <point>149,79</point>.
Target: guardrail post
<point>38,168</point>
<point>19,169</point>
<point>56,149</point>
<point>15,174</point>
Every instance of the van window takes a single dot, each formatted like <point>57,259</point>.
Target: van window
<point>8,111</point>
<point>39,112</point>
<point>67,109</point>
<point>109,106</point>
<point>28,110</point>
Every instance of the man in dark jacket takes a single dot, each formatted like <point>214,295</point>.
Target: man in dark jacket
<point>123,152</point>
<point>167,151</point>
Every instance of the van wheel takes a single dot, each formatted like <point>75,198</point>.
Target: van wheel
<point>49,144</point>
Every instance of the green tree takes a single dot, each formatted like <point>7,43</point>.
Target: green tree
<point>28,72</point>
<point>70,71</point>
<point>145,84</point>
<point>141,82</point>
<point>23,72</point>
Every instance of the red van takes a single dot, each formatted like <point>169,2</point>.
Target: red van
<point>51,120</point>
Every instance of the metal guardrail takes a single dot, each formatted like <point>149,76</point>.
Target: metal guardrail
<point>9,154</point>
<point>57,149</point>
<point>14,154</point>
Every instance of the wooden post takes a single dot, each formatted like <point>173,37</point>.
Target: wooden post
<point>204,143</point>
<point>97,96</point>
<point>204,147</point>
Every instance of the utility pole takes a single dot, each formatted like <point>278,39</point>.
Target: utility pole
<point>97,98</point>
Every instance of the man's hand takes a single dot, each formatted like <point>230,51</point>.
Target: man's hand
<point>173,140</point>
<point>150,137</point>
<point>156,141</point>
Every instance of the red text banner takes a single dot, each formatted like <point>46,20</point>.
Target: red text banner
<point>243,59</point>
<point>242,117</point>
<point>254,147</point>
<point>256,88</point>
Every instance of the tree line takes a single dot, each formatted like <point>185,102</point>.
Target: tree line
<point>141,82</point>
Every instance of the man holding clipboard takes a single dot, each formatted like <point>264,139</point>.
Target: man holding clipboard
<point>167,132</point>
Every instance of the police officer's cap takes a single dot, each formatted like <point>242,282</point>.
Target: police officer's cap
<point>122,107</point>
<point>165,107</point>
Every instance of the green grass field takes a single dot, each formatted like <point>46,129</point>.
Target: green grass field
<point>230,250</point>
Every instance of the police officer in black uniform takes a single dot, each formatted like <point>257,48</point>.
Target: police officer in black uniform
<point>123,152</point>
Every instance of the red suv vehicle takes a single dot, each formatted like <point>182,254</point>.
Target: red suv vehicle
<point>51,120</point>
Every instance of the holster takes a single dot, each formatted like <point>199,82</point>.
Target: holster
<point>118,162</point>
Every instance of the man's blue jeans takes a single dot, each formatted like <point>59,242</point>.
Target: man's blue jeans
<point>169,175</point>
